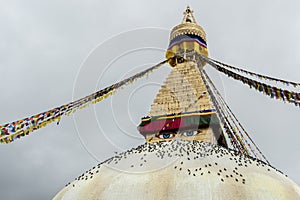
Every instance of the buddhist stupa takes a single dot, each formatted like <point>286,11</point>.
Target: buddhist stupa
<point>186,154</point>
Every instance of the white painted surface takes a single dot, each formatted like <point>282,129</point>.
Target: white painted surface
<point>169,172</point>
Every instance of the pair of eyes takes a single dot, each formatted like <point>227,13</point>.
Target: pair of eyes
<point>171,135</point>
<point>166,135</point>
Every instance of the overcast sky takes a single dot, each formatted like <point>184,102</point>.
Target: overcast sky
<point>53,51</point>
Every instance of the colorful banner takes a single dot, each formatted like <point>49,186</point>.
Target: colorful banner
<point>185,43</point>
<point>271,91</point>
<point>182,121</point>
<point>187,37</point>
<point>17,129</point>
<point>288,83</point>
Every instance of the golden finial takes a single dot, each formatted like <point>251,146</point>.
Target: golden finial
<point>188,16</point>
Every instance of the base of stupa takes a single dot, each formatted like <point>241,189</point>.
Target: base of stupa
<point>181,170</point>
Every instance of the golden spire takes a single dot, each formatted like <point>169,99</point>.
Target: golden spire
<point>183,105</point>
<point>186,37</point>
<point>188,26</point>
<point>188,16</point>
<point>184,90</point>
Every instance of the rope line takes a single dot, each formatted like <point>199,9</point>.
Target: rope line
<point>271,91</point>
<point>294,84</point>
<point>17,129</point>
<point>226,108</point>
<point>236,121</point>
<point>221,115</point>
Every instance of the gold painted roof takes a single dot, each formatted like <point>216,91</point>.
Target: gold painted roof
<point>188,26</point>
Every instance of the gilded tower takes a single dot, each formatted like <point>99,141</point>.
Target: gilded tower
<point>183,107</point>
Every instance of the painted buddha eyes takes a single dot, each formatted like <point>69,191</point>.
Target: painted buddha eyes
<point>190,133</point>
<point>172,135</point>
<point>166,135</point>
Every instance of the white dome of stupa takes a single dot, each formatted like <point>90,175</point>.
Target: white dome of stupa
<point>181,169</point>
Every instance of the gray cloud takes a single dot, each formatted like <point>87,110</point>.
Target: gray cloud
<point>43,44</point>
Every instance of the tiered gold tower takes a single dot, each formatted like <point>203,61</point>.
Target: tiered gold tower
<point>182,107</point>
<point>183,91</point>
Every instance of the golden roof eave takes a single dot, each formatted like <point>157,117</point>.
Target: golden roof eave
<point>188,28</point>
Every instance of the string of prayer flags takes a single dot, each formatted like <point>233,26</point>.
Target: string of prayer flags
<point>236,133</point>
<point>288,83</point>
<point>271,91</point>
<point>20,128</point>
